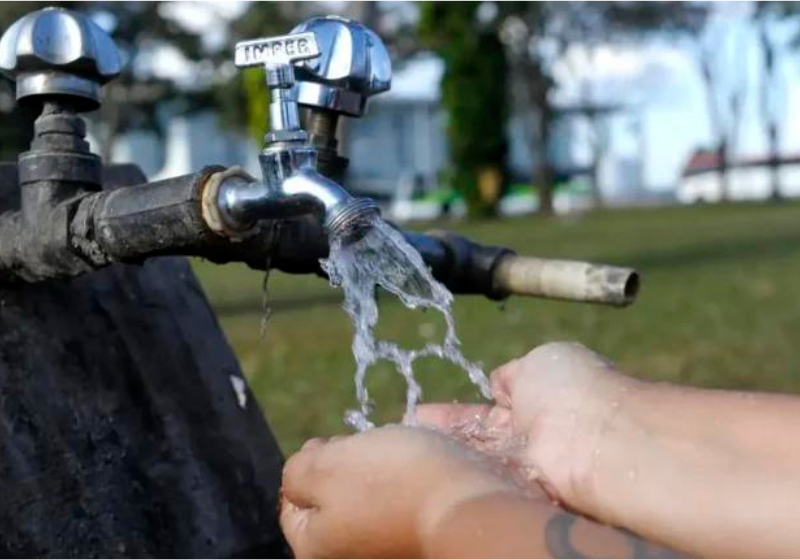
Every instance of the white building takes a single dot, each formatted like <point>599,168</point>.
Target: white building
<point>748,179</point>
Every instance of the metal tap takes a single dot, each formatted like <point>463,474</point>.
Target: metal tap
<point>291,185</point>
<point>55,52</point>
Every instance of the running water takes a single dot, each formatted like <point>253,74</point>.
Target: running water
<point>382,257</point>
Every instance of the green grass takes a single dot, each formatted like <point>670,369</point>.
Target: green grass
<point>719,307</point>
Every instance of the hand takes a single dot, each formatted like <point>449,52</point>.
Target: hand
<point>553,409</point>
<point>378,493</point>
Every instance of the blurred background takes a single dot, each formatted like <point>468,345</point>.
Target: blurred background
<point>661,136</point>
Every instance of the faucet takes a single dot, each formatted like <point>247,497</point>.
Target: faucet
<point>291,185</point>
<point>72,218</point>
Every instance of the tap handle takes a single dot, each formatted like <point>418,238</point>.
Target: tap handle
<point>57,52</point>
<point>277,56</point>
<point>286,49</point>
<point>353,66</point>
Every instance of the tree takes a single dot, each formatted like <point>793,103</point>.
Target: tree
<point>721,48</point>
<point>133,100</point>
<point>538,33</point>
<point>766,15</point>
<point>474,96</point>
<point>534,36</point>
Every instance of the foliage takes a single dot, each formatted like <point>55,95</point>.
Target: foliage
<point>473,94</point>
<point>535,34</point>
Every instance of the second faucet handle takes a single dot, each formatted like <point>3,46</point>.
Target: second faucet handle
<point>353,66</point>
<point>277,56</point>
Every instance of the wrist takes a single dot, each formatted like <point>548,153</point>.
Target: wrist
<point>449,500</point>
<point>610,461</point>
<point>498,524</point>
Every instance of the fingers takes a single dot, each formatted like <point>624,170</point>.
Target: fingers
<point>304,493</point>
<point>294,524</point>
<point>447,416</point>
<point>302,475</point>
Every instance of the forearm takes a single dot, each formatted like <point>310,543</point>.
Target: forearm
<point>511,526</point>
<point>710,472</point>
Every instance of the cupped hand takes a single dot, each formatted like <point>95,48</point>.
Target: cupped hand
<point>553,409</point>
<point>378,493</point>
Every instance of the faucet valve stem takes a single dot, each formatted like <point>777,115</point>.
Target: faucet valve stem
<point>283,112</point>
<point>277,55</point>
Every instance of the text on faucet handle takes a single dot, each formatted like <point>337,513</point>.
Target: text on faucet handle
<point>285,49</point>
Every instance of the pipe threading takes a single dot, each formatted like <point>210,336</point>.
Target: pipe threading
<point>355,214</point>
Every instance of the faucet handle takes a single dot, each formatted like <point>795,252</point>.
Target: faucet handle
<point>57,52</point>
<point>277,55</point>
<point>272,51</point>
<point>353,66</point>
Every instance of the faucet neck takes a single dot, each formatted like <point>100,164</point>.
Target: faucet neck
<point>283,113</point>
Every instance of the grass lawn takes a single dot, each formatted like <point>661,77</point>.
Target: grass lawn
<point>719,307</point>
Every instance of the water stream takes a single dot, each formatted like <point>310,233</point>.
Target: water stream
<point>383,258</point>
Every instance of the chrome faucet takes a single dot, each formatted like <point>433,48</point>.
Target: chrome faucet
<point>68,214</point>
<point>291,184</point>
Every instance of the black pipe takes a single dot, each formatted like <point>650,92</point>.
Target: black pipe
<point>464,266</point>
<point>133,223</point>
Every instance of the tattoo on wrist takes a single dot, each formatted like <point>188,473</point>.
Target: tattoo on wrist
<point>560,543</point>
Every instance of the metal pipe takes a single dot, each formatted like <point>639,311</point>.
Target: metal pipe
<point>567,280</point>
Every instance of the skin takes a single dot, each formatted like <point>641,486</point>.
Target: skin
<point>407,492</point>
<point>711,473</point>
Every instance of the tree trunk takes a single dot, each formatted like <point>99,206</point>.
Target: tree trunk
<point>597,156</point>
<point>126,428</point>
<point>774,164</point>
<point>724,177</point>
<point>538,89</point>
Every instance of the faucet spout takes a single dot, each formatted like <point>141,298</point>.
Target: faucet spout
<point>305,191</point>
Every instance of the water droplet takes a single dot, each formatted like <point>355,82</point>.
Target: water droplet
<point>632,474</point>
<point>357,420</point>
